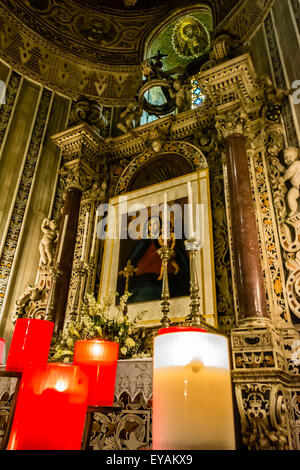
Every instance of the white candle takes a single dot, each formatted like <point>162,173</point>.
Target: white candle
<point>84,235</point>
<point>165,218</point>
<point>94,236</point>
<point>62,239</point>
<point>191,233</point>
<point>192,396</point>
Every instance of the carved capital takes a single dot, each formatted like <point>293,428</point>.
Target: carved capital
<point>77,174</point>
<point>232,122</point>
<point>79,142</point>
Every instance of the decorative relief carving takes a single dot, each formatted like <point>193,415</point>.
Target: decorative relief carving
<point>76,174</point>
<point>187,151</point>
<point>33,302</point>
<point>265,416</point>
<point>232,122</point>
<point>48,242</point>
<point>89,111</point>
<point>285,180</point>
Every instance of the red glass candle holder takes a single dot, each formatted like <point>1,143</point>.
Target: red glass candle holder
<point>99,359</point>
<point>51,408</point>
<point>2,344</point>
<point>30,343</point>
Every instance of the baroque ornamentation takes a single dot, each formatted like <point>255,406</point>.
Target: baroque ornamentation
<point>48,242</point>
<point>187,151</point>
<point>284,179</point>
<point>263,408</point>
<point>90,111</point>
<point>33,301</point>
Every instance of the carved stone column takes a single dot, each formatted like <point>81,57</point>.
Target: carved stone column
<point>246,252</point>
<point>80,146</point>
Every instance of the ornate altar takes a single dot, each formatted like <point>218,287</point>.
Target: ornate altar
<point>235,145</point>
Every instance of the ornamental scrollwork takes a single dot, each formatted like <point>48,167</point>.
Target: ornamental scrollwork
<point>264,413</point>
<point>285,180</point>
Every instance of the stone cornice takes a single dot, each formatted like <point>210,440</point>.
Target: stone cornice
<point>177,127</point>
<point>231,84</point>
<point>79,141</point>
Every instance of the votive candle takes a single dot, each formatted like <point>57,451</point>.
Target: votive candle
<point>51,408</point>
<point>192,397</point>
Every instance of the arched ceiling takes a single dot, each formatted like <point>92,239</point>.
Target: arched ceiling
<point>94,47</point>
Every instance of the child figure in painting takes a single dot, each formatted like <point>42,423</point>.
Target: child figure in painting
<point>171,242</point>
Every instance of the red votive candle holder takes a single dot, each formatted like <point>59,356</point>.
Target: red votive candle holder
<point>30,343</point>
<point>2,344</point>
<point>99,359</point>
<point>51,408</point>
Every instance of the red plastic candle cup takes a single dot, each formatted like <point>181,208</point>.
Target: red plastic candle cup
<point>2,344</point>
<point>51,408</point>
<point>99,359</point>
<point>30,343</point>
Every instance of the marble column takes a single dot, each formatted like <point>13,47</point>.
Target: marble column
<point>71,210</point>
<point>77,176</point>
<point>246,251</point>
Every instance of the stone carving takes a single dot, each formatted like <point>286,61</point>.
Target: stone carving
<point>31,293</point>
<point>76,174</point>
<point>224,47</point>
<point>130,117</point>
<point>264,422</point>
<point>292,174</point>
<point>33,301</point>
<point>90,111</point>
<point>233,122</point>
<point>181,92</point>
<point>48,242</point>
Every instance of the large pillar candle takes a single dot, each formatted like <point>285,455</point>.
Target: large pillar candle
<point>192,397</point>
<point>51,409</point>
<point>30,343</point>
<point>99,359</point>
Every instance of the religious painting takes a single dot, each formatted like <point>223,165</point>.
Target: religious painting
<point>136,232</point>
<point>190,38</point>
<point>145,280</point>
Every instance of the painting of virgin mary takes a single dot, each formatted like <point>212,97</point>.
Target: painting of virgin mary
<point>146,284</point>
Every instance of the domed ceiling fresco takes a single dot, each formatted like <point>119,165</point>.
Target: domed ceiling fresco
<point>95,47</point>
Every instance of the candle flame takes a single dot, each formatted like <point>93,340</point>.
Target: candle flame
<point>97,349</point>
<point>61,385</point>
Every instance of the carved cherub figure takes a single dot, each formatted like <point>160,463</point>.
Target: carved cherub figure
<point>48,241</point>
<point>182,94</point>
<point>292,174</point>
<point>130,115</point>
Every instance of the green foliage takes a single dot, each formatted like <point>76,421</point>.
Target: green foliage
<point>104,320</point>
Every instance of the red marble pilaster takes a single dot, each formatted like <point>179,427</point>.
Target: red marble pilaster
<point>246,251</point>
<point>60,295</point>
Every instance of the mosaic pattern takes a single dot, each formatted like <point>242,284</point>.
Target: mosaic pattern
<point>197,95</point>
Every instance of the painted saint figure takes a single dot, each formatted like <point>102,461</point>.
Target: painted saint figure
<point>146,284</point>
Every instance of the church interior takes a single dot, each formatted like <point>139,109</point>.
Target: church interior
<point>111,110</point>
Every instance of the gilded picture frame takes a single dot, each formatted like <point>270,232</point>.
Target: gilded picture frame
<point>175,189</point>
